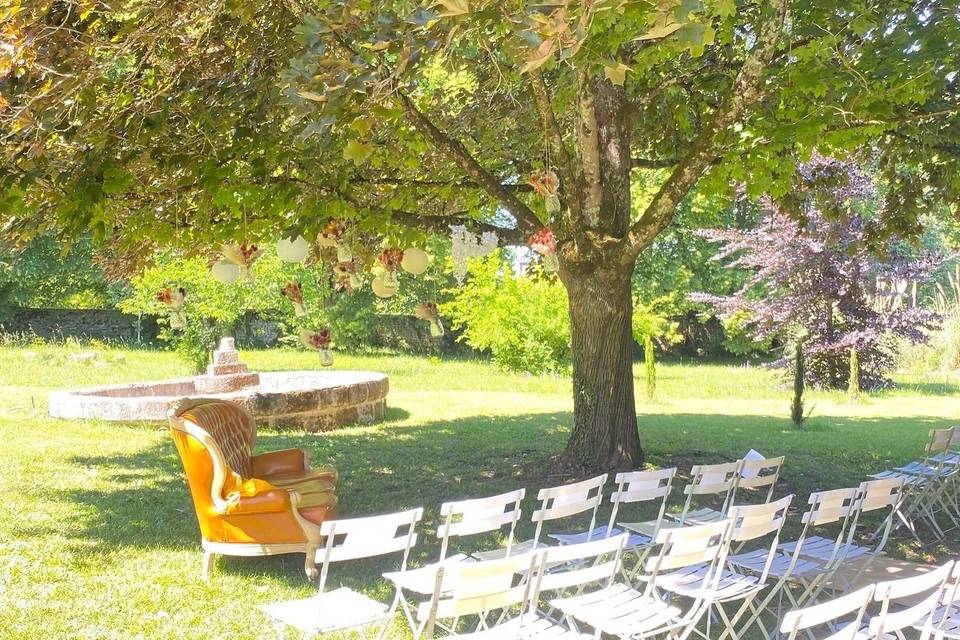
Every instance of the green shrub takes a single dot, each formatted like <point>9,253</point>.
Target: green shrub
<point>739,339</point>
<point>521,321</point>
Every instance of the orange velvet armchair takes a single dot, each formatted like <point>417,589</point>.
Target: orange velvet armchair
<point>249,505</point>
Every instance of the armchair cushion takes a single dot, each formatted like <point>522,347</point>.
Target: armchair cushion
<point>283,462</point>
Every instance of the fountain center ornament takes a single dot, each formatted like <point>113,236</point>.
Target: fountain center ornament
<point>226,373</point>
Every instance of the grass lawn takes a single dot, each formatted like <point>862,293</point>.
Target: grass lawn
<point>99,540</point>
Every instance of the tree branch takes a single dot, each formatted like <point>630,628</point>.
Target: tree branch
<point>746,91</point>
<point>441,225</point>
<point>526,219</point>
<point>465,184</point>
<point>654,163</point>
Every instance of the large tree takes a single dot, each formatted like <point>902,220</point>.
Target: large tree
<point>157,122</point>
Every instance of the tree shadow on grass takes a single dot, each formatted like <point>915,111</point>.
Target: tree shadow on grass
<point>401,466</point>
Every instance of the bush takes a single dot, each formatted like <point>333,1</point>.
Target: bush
<point>522,322</point>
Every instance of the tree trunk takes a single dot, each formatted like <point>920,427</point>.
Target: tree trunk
<point>604,436</point>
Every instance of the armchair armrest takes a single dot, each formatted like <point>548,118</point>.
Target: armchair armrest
<point>273,501</point>
<point>278,463</point>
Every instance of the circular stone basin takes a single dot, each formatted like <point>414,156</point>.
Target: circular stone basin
<point>311,400</point>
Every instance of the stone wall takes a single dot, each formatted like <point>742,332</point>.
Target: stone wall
<point>108,325</point>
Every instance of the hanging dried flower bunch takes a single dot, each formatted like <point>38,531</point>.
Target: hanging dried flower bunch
<point>321,341</point>
<point>390,259</point>
<point>546,183</point>
<point>544,243</point>
<point>428,311</point>
<point>243,256</point>
<point>466,245</point>
<point>345,276</point>
<point>174,300</point>
<point>334,235</point>
<point>293,291</point>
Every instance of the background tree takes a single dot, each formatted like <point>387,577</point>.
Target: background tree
<point>821,277</point>
<point>136,118</point>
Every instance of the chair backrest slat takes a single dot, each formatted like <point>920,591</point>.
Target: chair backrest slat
<point>760,474</point>
<point>941,440</point>
<point>830,506</point>
<point>688,546</point>
<point>582,563</point>
<point>640,486</point>
<point>480,515</point>
<point>757,520</point>
<point>930,586</point>
<point>571,499</point>
<point>367,537</point>
<point>832,610</point>
<point>879,494</point>
<point>472,588</point>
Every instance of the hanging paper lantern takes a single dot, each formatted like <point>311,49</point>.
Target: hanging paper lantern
<point>174,300</point>
<point>415,261</point>
<point>293,292</point>
<point>321,341</point>
<point>243,256</point>
<point>225,272</point>
<point>293,250</point>
<point>428,311</point>
<point>382,288</point>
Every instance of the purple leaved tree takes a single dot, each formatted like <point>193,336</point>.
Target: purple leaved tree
<point>813,277</point>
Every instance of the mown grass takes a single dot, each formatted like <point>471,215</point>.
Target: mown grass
<point>98,539</point>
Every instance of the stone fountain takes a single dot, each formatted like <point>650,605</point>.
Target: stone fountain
<point>310,400</point>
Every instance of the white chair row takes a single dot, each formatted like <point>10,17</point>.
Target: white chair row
<point>801,568</point>
<point>933,484</point>
<point>929,604</point>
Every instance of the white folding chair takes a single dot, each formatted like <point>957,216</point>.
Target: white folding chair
<point>755,475</point>
<point>842,616</point>
<point>622,611</point>
<point>928,587</point>
<point>750,523</point>
<point>719,480</point>
<point>633,487</point>
<point>557,503</point>
<point>344,608</point>
<point>930,484</point>
<point>946,618</point>
<point>504,589</point>
<point>873,495</point>
<point>789,567</point>
<point>459,519</point>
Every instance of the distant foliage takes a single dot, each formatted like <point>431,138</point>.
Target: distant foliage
<point>820,275</point>
<point>521,321</point>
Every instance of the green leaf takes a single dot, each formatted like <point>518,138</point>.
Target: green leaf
<point>725,8</point>
<point>616,73</point>
<point>453,7</point>
<point>357,152</point>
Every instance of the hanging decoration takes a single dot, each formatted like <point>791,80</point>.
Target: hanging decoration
<point>174,300</point>
<point>390,259</point>
<point>383,289</point>
<point>428,311</point>
<point>293,291</point>
<point>466,245</point>
<point>321,341</point>
<point>544,243</point>
<point>546,183</point>
<point>333,235</point>
<point>243,256</point>
<point>415,261</point>
<point>345,276</point>
<point>224,272</point>
<point>293,250</point>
